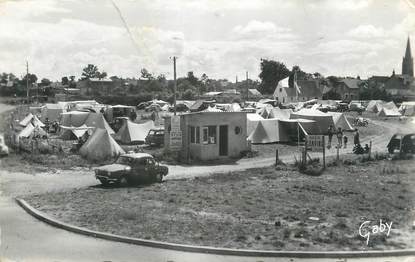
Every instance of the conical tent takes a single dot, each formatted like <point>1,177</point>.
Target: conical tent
<point>100,146</point>
<point>375,106</point>
<point>268,131</point>
<point>389,109</point>
<point>97,120</point>
<point>133,133</point>
<point>72,132</point>
<point>341,121</point>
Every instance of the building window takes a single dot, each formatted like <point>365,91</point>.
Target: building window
<point>194,135</point>
<point>280,90</point>
<point>209,135</point>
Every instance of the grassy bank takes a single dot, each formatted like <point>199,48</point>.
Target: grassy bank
<point>272,209</point>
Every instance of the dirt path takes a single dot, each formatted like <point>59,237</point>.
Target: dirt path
<point>379,143</point>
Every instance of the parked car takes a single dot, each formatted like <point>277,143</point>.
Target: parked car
<point>342,107</point>
<point>155,137</point>
<point>4,150</point>
<point>132,168</point>
<point>404,142</point>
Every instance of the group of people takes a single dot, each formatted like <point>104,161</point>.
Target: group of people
<point>343,139</point>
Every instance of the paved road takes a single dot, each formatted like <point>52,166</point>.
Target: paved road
<point>23,238</point>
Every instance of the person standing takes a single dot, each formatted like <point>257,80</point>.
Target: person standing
<point>330,133</point>
<point>356,139</point>
<point>345,139</point>
<point>339,137</point>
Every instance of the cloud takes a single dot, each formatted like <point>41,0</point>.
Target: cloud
<point>257,29</point>
<point>367,31</point>
<point>26,9</point>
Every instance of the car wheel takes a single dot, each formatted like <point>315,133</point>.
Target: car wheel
<point>159,178</point>
<point>123,182</point>
<point>105,183</point>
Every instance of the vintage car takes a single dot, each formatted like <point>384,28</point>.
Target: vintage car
<point>155,137</point>
<point>131,168</point>
<point>4,150</point>
<point>403,142</point>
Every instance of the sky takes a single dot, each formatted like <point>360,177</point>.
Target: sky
<point>222,38</point>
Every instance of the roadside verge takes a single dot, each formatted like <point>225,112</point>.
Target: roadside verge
<point>209,250</point>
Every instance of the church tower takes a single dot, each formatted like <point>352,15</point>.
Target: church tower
<point>407,61</point>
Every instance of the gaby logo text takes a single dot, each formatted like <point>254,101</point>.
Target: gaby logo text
<point>366,229</point>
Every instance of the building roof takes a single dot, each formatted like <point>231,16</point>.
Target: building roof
<point>100,80</point>
<point>254,92</point>
<point>381,79</point>
<point>351,83</point>
<point>309,88</point>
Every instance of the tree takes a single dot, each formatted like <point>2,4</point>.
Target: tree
<point>45,82</point>
<point>91,71</point>
<point>271,73</point>
<point>192,79</point>
<point>146,75</point>
<point>32,79</point>
<point>102,75</point>
<point>65,80</point>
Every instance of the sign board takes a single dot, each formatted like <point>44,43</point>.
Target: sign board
<point>175,140</point>
<point>175,123</point>
<point>315,142</point>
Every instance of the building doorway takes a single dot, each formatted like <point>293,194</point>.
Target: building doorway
<point>223,140</point>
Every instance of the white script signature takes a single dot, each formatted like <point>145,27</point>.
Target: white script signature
<point>366,229</point>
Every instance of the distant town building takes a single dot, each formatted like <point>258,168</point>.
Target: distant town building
<point>407,61</point>
<point>348,88</point>
<point>96,86</point>
<point>303,90</point>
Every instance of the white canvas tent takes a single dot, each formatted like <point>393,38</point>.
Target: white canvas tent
<point>266,131</point>
<point>30,118</point>
<point>100,146</point>
<point>375,106</point>
<point>133,133</point>
<point>52,112</point>
<point>97,120</point>
<point>389,110</point>
<point>407,108</point>
<point>30,131</point>
<point>73,133</point>
<point>323,120</point>
<point>341,121</point>
<point>279,113</point>
<point>252,120</point>
<point>74,118</point>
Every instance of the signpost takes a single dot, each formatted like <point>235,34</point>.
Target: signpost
<point>175,134</point>
<point>317,144</point>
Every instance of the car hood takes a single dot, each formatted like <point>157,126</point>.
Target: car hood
<point>112,167</point>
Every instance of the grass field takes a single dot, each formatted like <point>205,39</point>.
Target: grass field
<point>272,209</point>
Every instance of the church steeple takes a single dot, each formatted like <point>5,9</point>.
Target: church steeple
<point>407,61</point>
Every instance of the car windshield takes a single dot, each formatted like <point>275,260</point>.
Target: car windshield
<point>123,160</point>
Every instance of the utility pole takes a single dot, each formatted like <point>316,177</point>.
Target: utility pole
<point>247,88</point>
<point>27,81</point>
<point>175,84</point>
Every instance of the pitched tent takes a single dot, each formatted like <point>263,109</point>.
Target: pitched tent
<point>74,118</point>
<point>340,120</point>
<point>266,131</point>
<point>323,120</point>
<point>375,105</point>
<point>30,118</point>
<point>133,133</point>
<point>100,146</point>
<point>407,108</point>
<point>52,112</point>
<point>97,120</point>
<point>30,131</point>
<point>292,129</point>
<point>389,110</point>
<point>252,120</point>
<point>73,133</point>
<point>279,113</point>
<point>265,111</point>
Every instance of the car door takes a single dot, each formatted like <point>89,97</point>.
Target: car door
<point>150,168</point>
<point>138,170</point>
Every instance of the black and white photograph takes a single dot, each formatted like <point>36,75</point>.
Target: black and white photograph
<point>207,130</point>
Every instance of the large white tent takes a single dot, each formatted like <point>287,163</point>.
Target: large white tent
<point>252,120</point>
<point>407,108</point>
<point>30,118</point>
<point>323,120</point>
<point>133,133</point>
<point>389,110</point>
<point>100,146</point>
<point>341,121</point>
